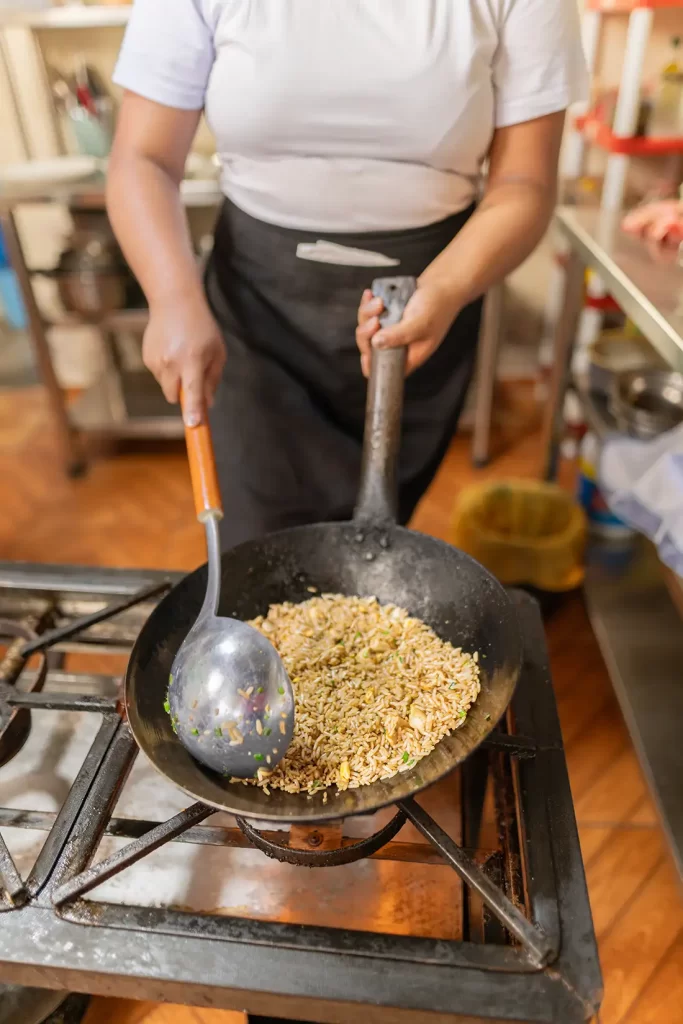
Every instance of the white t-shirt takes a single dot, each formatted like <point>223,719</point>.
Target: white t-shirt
<point>354,115</point>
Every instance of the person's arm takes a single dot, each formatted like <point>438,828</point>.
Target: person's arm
<point>507,226</point>
<point>537,71</point>
<point>182,343</point>
<point>513,215</point>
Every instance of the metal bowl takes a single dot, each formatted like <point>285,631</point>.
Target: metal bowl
<point>647,403</point>
<point>615,353</point>
<point>92,276</point>
<point>92,294</point>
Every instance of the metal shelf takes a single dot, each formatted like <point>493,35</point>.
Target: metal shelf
<point>134,320</point>
<point>649,292</point>
<point>73,17</point>
<point>130,407</point>
<point>639,632</point>
<point>126,320</point>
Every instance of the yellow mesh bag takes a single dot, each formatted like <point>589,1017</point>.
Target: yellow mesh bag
<point>523,531</point>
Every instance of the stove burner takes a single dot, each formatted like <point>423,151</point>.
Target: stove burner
<point>15,723</point>
<point>522,947</point>
<point>315,858</point>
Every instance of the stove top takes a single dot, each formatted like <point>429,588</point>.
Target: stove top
<point>469,904</point>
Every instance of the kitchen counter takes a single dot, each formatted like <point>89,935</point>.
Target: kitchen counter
<point>639,631</point>
<point>633,603</point>
<point>646,281</point>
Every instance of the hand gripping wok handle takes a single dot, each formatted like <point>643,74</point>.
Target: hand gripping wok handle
<point>205,489</point>
<point>378,494</point>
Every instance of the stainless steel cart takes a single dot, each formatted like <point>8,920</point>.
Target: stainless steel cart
<point>121,404</point>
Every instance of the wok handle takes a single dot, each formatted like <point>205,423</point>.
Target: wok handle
<point>200,454</point>
<point>378,494</point>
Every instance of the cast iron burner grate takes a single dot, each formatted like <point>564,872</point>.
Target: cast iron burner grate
<point>528,952</point>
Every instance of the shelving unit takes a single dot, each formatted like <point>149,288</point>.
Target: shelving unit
<point>599,134</point>
<point>626,6</point>
<point>620,142</point>
<point>121,404</point>
<point>71,17</point>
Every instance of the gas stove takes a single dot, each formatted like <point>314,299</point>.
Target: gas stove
<point>475,909</point>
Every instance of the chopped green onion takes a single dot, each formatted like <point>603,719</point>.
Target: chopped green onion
<point>258,757</point>
<point>453,685</point>
<point>267,732</point>
<point>167,707</point>
<point>406,757</point>
<point>357,636</point>
<point>218,731</point>
<point>170,679</point>
<point>280,689</point>
<point>195,732</point>
<point>260,689</point>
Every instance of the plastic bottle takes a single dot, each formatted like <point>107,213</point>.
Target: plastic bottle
<point>11,304</point>
<point>574,425</point>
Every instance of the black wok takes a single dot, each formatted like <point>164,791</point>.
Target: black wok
<point>369,556</point>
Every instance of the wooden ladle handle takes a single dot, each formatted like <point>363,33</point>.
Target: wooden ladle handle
<point>205,489</point>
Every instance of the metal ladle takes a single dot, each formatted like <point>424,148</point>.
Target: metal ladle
<point>230,699</point>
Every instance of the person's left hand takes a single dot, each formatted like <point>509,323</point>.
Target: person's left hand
<point>426,321</point>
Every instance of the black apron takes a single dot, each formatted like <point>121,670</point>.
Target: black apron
<point>289,413</point>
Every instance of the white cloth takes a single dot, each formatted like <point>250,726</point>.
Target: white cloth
<point>642,482</point>
<point>354,115</point>
<point>342,255</point>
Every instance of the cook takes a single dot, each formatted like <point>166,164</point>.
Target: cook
<point>362,123</point>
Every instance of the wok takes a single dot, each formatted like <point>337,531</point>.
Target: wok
<point>371,555</point>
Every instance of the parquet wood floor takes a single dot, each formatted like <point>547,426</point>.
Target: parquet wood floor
<point>136,510</point>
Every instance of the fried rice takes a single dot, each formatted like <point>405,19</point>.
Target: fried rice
<point>375,691</point>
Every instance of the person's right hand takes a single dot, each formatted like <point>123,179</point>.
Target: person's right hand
<point>657,221</point>
<point>183,346</point>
